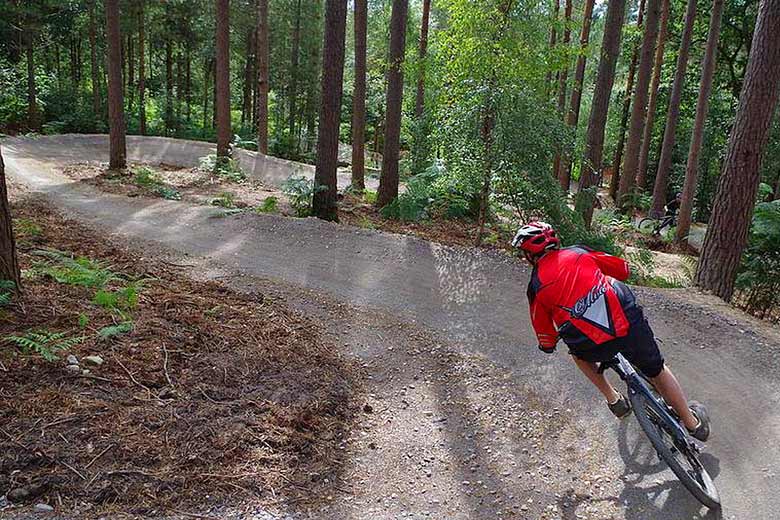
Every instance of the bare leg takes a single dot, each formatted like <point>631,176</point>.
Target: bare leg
<point>591,371</point>
<point>670,389</point>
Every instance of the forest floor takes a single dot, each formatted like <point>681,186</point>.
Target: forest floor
<point>166,393</point>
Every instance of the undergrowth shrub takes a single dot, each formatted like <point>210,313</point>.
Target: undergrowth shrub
<point>227,168</point>
<point>147,178</point>
<point>300,192</point>
<point>224,200</point>
<point>758,280</point>
<point>80,270</point>
<point>269,205</point>
<point>44,343</point>
<point>430,194</point>
<point>6,292</point>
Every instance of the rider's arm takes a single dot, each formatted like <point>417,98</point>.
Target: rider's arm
<point>541,318</point>
<point>611,265</point>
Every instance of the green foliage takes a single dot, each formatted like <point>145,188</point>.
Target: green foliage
<point>300,192</point>
<point>43,342</point>
<point>369,196</point>
<point>146,178</point>
<point>643,267</point>
<point>269,205</point>
<point>758,281</point>
<point>636,200</point>
<point>227,168</point>
<point>123,299</point>
<point>6,292</point>
<point>80,271</point>
<point>225,200</point>
<point>83,321</point>
<point>115,330</point>
<point>431,194</point>
<point>27,228</point>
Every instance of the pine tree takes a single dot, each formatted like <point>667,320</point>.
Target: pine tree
<point>222,84</point>
<point>359,97</point>
<point>116,107</point>
<point>727,232</point>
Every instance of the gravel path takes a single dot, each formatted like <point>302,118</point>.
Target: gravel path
<point>465,419</point>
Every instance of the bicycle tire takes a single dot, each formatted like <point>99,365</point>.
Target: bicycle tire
<point>647,225</point>
<point>704,489</point>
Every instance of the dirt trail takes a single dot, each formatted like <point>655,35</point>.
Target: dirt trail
<point>467,419</point>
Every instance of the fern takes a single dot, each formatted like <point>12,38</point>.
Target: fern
<point>74,271</point>
<point>225,200</point>
<point>115,330</point>
<point>6,292</point>
<point>44,342</point>
<point>124,299</point>
<point>269,205</point>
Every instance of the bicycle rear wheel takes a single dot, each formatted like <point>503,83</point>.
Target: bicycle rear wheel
<point>682,460</point>
<point>647,225</point>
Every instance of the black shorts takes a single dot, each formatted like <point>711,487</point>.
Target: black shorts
<point>639,347</point>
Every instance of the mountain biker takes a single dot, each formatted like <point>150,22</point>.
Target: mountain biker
<point>674,205</point>
<point>576,294</point>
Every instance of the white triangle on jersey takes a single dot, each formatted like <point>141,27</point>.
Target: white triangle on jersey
<point>598,313</point>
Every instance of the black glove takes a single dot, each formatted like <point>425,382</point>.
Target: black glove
<point>547,350</point>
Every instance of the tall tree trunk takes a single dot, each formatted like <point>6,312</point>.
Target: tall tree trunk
<point>617,160</point>
<point>262,76</point>
<point>141,70</point>
<point>639,110</point>
<point>673,114</point>
<point>93,60</point>
<point>130,69</point>
<point>563,77</point>
<point>605,79</point>
<point>58,67</point>
<point>188,81</point>
<point>553,40</point>
<point>727,233</point>
<point>33,112</point>
<point>573,114</point>
<point>294,62</point>
<point>647,136</point>
<point>388,182</point>
<point>359,96</point>
<point>324,204</point>
<point>9,264</point>
<point>223,78</point>
<point>206,92</point>
<point>697,135</point>
<point>246,96</point>
<point>419,105</point>
<point>116,106</point>
<point>168,85</point>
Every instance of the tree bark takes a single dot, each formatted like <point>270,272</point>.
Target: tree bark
<point>262,76</point>
<point>553,40</point>
<point>116,106</point>
<point>563,77</point>
<point>605,79</point>
<point>141,70</point>
<point>697,135</point>
<point>188,81</point>
<point>388,182</point>
<point>249,78</point>
<point>93,60</point>
<point>223,79</point>
<point>9,263</point>
<point>727,233</point>
<point>168,85</point>
<point>324,204</point>
<point>647,136</point>
<point>639,109</point>
<point>359,97</point>
<point>617,160</point>
<point>673,114</point>
<point>573,115</point>
<point>130,70</point>
<point>33,112</point>
<point>419,106</point>
<point>294,61</point>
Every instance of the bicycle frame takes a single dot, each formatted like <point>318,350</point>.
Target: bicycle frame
<point>637,384</point>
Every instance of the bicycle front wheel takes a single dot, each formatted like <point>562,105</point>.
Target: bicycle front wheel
<point>647,225</point>
<point>682,460</point>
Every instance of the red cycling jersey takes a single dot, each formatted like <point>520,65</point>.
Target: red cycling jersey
<point>575,293</point>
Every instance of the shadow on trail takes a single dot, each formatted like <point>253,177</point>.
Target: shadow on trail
<point>650,489</point>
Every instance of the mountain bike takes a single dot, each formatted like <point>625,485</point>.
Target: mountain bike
<point>656,225</point>
<point>666,432</point>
